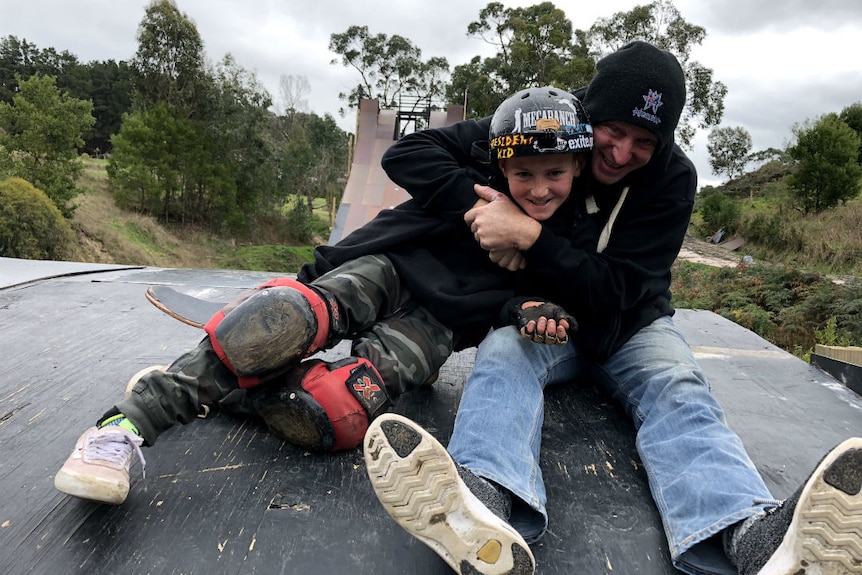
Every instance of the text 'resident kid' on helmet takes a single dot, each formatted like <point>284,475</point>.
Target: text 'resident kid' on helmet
<point>539,121</point>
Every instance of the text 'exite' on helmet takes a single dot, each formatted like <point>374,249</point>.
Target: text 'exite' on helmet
<point>540,121</point>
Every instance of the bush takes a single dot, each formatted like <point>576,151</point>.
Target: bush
<point>31,226</point>
<point>774,232</point>
<point>719,213</point>
<point>299,222</point>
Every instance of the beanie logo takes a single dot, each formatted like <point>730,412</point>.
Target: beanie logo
<point>652,102</point>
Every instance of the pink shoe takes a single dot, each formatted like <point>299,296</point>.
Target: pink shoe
<point>98,468</point>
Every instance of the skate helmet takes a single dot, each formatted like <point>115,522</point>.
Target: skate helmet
<point>539,121</point>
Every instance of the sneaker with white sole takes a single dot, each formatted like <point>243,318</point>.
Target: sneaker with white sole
<point>98,468</point>
<point>817,531</point>
<point>419,486</point>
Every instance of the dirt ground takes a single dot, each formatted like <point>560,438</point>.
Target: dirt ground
<point>703,252</point>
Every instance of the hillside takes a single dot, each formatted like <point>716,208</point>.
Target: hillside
<point>107,234</point>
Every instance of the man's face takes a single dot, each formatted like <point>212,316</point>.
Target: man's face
<point>619,148</point>
<point>540,184</point>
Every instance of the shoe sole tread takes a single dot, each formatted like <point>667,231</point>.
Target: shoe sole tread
<point>825,530</point>
<point>422,492</point>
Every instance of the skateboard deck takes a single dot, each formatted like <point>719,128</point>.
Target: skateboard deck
<point>186,308</point>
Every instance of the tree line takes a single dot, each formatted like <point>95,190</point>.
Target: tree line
<point>823,165</point>
<point>205,144</point>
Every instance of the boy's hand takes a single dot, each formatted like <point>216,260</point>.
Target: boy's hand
<point>541,321</point>
<point>511,259</point>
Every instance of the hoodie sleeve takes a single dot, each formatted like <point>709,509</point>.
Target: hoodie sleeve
<point>438,167</point>
<point>635,266</point>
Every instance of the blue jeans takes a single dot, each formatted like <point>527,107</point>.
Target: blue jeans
<point>700,476</point>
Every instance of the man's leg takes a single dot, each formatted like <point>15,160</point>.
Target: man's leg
<point>462,517</point>
<point>700,476</point>
<point>462,505</point>
<point>498,427</point>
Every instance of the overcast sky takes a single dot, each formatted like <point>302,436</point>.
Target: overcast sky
<point>783,61</point>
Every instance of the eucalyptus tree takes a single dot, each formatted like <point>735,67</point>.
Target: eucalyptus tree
<point>535,46</point>
<point>729,151</point>
<point>388,67</point>
<point>827,171</point>
<point>169,64</point>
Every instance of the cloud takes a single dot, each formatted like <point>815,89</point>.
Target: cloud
<point>743,17</point>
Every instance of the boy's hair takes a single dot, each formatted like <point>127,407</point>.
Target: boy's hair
<point>539,121</point>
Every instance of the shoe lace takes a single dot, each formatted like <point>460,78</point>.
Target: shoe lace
<point>115,446</point>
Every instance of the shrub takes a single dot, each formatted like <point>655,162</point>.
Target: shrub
<point>719,213</point>
<point>31,226</point>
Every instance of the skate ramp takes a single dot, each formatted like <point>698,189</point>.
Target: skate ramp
<point>368,190</point>
<point>222,495</point>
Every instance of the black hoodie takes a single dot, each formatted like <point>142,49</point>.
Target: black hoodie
<point>434,252</point>
<point>612,294</point>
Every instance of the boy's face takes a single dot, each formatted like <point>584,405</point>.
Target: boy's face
<point>620,148</point>
<point>540,184</point>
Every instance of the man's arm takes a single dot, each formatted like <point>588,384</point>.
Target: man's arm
<point>438,167</point>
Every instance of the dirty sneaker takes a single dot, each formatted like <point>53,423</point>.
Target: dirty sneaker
<point>818,530</point>
<point>419,486</point>
<point>98,468</point>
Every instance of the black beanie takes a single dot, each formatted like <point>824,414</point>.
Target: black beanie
<point>641,85</point>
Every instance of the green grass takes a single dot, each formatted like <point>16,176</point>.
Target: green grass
<point>277,259</point>
<point>792,309</point>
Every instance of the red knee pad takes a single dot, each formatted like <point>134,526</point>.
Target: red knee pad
<point>271,328</point>
<point>351,393</point>
<point>322,406</point>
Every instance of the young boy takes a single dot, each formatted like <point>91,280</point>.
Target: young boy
<point>408,288</point>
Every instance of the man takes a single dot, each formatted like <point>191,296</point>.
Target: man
<point>704,484</point>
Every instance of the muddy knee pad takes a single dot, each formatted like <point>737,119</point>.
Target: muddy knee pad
<point>279,323</point>
<point>321,406</point>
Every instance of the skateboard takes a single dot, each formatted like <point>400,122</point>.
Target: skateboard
<point>187,308</point>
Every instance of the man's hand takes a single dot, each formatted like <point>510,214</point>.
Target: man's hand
<point>500,224</point>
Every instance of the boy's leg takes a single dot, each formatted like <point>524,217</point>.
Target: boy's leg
<point>160,399</point>
<point>366,289</point>
<point>98,467</point>
<point>303,318</point>
<point>408,349</point>
<point>309,405</point>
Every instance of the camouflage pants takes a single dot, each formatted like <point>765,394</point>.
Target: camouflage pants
<point>403,340</point>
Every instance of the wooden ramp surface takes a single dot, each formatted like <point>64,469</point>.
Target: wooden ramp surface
<point>223,496</point>
<point>368,189</point>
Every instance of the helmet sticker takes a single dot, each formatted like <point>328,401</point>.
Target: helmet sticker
<point>540,121</point>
